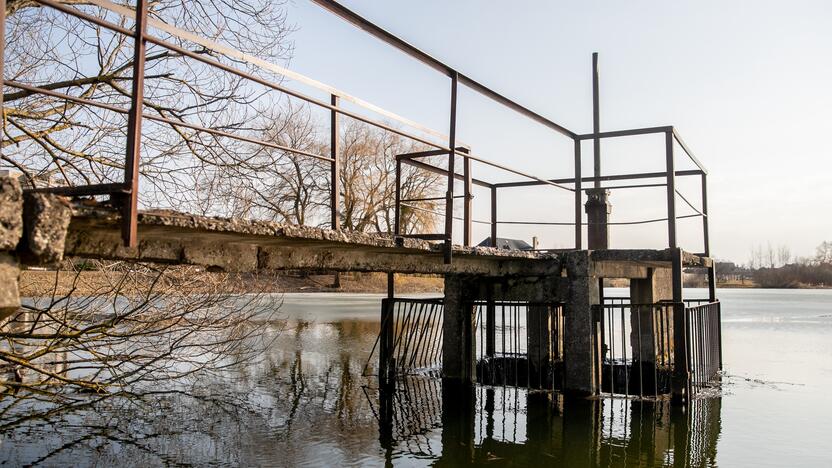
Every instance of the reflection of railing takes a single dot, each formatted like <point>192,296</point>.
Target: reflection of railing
<point>704,342</point>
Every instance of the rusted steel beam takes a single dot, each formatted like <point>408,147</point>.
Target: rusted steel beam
<point>466,203</point>
<point>642,175</point>
<point>376,31</point>
<point>440,171</point>
<point>578,197</point>
<point>670,161</point>
<point>623,133</point>
<point>335,166</point>
<point>449,202</point>
<point>129,220</point>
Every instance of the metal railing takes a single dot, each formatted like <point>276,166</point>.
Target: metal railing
<point>638,351</point>
<point>410,337</point>
<point>519,343</point>
<point>704,343</point>
<point>126,192</point>
<point>635,346</point>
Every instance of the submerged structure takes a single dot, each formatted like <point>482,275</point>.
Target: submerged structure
<point>524,318</point>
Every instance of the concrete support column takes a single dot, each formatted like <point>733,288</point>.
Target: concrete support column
<point>458,344</point>
<point>598,209</point>
<point>11,230</point>
<point>580,350</point>
<point>540,352</point>
<point>656,287</point>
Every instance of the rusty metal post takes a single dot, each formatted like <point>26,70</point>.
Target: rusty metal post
<point>449,195</point>
<point>397,207</point>
<point>335,166</point>
<point>705,231</point>
<point>671,190</point>
<point>493,216</point>
<point>578,195</point>
<point>681,364</point>
<point>2,63</point>
<point>467,201</point>
<point>129,231</point>
<point>386,366</point>
<point>596,120</point>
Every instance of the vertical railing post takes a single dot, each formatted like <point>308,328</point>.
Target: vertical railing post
<point>386,367</point>
<point>2,63</point>
<point>129,226</point>
<point>681,364</point>
<point>493,216</point>
<point>578,195</point>
<point>467,201</point>
<point>705,230</point>
<point>397,207</point>
<point>335,166</point>
<point>671,190</point>
<point>449,195</point>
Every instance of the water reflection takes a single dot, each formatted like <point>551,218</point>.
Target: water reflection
<point>307,403</point>
<point>504,426</point>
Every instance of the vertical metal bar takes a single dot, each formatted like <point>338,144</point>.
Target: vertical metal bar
<point>705,230</point>
<point>449,196</point>
<point>596,119</point>
<point>578,196</point>
<point>490,325</point>
<point>387,332</point>
<point>2,63</point>
<point>397,207</point>
<point>671,193</point>
<point>719,330</point>
<point>494,217</point>
<point>681,377</point>
<point>467,201</point>
<point>129,226</point>
<point>335,166</point>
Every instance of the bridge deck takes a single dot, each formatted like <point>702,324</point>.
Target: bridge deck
<point>241,245</point>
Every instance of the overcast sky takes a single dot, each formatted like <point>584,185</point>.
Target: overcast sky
<point>748,84</point>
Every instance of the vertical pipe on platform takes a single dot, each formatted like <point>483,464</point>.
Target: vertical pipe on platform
<point>596,120</point>
<point>335,166</point>
<point>578,195</point>
<point>467,201</point>
<point>449,195</point>
<point>129,230</point>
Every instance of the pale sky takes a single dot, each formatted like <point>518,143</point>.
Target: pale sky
<point>748,85</point>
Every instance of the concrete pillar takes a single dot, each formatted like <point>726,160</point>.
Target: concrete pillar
<point>458,344</point>
<point>540,351</point>
<point>656,287</point>
<point>580,350</point>
<point>11,230</point>
<point>598,209</point>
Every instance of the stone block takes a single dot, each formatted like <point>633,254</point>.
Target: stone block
<point>46,220</point>
<point>11,213</point>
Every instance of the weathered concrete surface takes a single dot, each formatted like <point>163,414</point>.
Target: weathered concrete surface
<point>581,361</point>
<point>650,290</point>
<point>11,213</point>
<point>46,219</point>
<point>237,245</point>
<point>9,292</point>
<point>598,209</point>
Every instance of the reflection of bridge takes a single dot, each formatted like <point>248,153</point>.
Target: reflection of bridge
<point>493,424</point>
<point>582,340</point>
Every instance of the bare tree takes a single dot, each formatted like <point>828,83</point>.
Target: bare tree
<point>45,137</point>
<point>141,331</point>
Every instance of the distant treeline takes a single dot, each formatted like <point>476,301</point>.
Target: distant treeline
<point>775,268</point>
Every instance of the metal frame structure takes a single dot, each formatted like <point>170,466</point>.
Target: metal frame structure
<point>126,192</point>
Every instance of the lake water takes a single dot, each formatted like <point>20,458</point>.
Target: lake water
<point>307,403</point>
